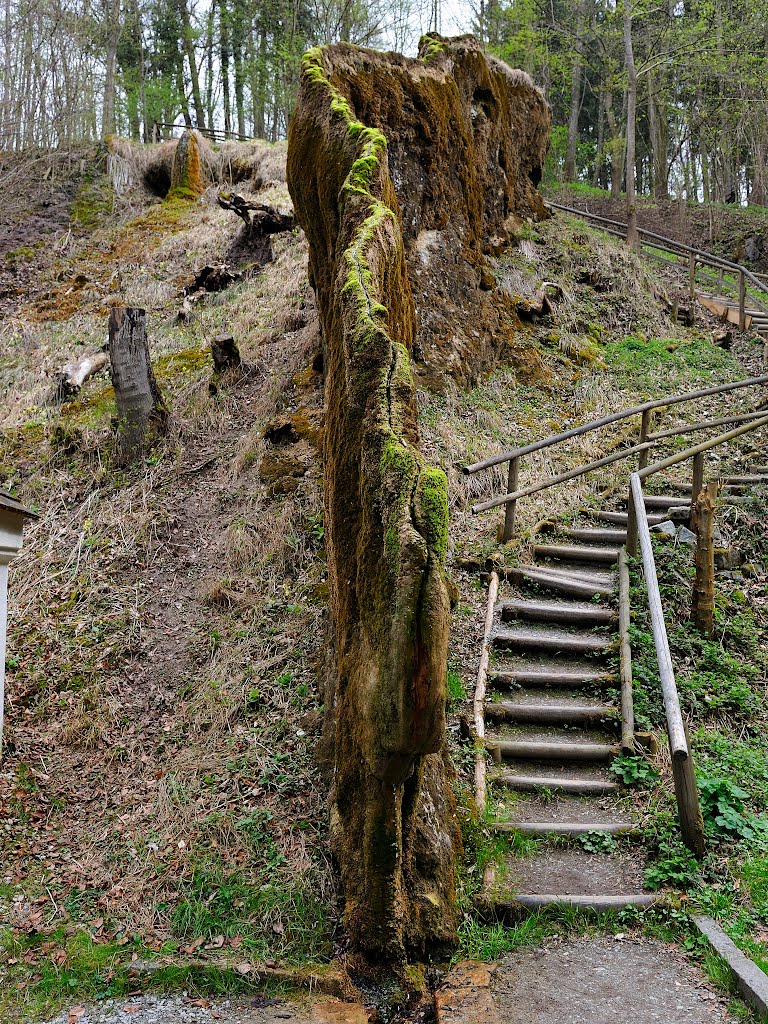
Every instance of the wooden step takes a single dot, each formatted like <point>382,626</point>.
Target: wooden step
<point>743,480</point>
<point>666,501</point>
<point>597,904</point>
<point>557,611</point>
<point>578,643</point>
<point>557,783</point>
<point>549,714</point>
<point>560,582</point>
<point>552,750</point>
<point>543,677</point>
<point>597,536</point>
<point>576,553</point>
<point>759,469</point>
<point>653,518</point>
<point>564,828</point>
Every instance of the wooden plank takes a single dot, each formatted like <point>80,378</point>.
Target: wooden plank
<point>564,828</point>
<point>480,689</point>
<point>558,783</point>
<point>557,611</point>
<point>576,552</point>
<point>584,643</point>
<point>552,750</point>
<point>551,677</point>
<point>576,714</point>
<point>596,904</point>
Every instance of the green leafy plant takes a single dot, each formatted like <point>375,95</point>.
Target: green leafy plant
<point>598,842</point>
<point>676,866</point>
<point>633,771</point>
<point>722,806</point>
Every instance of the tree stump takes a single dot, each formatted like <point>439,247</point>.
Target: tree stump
<point>703,604</point>
<point>141,411</point>
<point>226,355</point>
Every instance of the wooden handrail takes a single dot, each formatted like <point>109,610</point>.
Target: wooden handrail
<point>657,403</point>
<point>669,244</point>
<point>690,428</point>
<point>703,446</point>
<point>562,478</point>
<point>686,790</point>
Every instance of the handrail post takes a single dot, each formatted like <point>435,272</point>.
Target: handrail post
<point>742,300</point>
<point>509,513</point>
<point>632,532</point>
<point>692,275</point>
<point>688,807</point>
<point>646,426</point>
<point>696,484</point>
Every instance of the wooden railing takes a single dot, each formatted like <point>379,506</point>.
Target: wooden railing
<point>650,241</point>
<point>214,134</point>
<point>647,440</point>
<point>638,536</point>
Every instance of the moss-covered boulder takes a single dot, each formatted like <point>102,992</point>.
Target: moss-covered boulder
<point>386,516</point>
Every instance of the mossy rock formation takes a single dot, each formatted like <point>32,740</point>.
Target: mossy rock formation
<point>186,171</point>
<point>466,139</point>
<point>386,520</point>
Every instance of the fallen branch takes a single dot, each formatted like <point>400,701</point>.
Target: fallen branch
<point>267,219</point>
<point>71,377</point>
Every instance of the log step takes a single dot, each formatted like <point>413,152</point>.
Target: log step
<point>580,643</point>
<point>577,553</point>
<point>597,536</point>
<point>665,501</point>
<point>543,677</point>
<point>597,904</point>
<point>557,611</point>
<point>550,714</point>
<point>564,828</point>
<point>654,518</point>
<point>759,469</point>
<point>557,783</point>
<point>561,583</point>
<point>755,479</point>
<point>552,750</point>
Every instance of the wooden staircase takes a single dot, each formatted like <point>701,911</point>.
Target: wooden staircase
<point>552,712</point>
<point>728,309</point>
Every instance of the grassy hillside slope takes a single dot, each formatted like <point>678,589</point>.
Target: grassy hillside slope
<point>161,780</point>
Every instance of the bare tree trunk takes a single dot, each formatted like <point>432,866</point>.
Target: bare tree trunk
<point>629,60</point>
<point>141,412</point>
<point>573,117</point>
<point>189,50</point>
<point>617,154</point>
<point>703,605</point>
<point>659,132</point>
<point>108,115</point>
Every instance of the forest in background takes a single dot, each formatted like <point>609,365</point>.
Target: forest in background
<point>675,94</point>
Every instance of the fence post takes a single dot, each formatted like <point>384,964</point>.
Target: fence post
<point>509,513</point>
<point>646,426</point>
<point>688,809</point>
<point>696,484</point>
<point>742,299</point>
<point>632,535</point>
<point>703,603</point>
<point>692,275</point>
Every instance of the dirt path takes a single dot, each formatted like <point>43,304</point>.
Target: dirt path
<point>604,980</point>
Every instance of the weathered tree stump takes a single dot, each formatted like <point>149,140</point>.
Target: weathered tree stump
<point>703,604</point>
<point>141,411</point>
<point>226,355</point>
